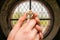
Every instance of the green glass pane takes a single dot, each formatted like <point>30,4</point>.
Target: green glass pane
<point>16,15</point>
<point>13,22</point>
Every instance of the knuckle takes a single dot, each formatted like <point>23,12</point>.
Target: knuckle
<point>25,32</point>
<point>33,21</point>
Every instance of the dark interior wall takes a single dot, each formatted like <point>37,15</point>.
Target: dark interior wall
<point>57,37</point>
<point>1,3</point>
<point>58,1</point>
<point>2,37</point>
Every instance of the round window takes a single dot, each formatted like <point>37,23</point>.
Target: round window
<point>37,7</point>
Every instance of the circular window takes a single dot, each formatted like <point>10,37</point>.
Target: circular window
<point>36,7</point>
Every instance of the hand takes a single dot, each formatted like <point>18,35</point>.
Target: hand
<point>27,31</point>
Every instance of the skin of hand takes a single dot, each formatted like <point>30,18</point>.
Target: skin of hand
<point>27,31</point>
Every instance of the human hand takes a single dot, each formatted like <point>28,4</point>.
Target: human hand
<point>27,31</point>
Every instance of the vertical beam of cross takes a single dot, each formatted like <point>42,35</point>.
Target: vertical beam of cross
<point>30,5</point>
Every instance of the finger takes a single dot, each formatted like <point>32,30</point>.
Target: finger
<point>20,21</point>
<point>16,27</point>
<point>37,37</point>
<point>31,24</point>
<point>37,20</point>
<point>25,24</point>
<point>34,15</point>
<point>38,28</point>
<point>34,32</point>
<point>41,35</point>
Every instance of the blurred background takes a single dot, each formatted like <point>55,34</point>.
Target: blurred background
<point>2,37</point>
